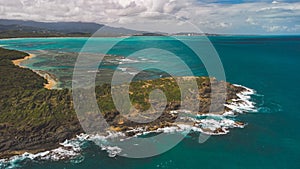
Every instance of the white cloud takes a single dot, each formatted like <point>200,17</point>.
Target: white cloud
<point>251,21</point>
<point>256,17</point>
<point>275,28</point>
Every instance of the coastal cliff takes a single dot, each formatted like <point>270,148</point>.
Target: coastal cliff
<point>34,118</point>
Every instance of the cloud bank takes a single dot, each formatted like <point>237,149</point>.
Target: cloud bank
<point>226,16</point>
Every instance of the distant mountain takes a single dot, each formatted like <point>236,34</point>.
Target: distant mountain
<point>193,34</point>
<point>22,28</point>
<point>63,27</point>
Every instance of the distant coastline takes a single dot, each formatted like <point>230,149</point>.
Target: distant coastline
<point>174,35</point>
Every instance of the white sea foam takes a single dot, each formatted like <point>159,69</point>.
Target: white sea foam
<point>103,141</point>
<point>130,61</point>
<point>123,69</point>
<point>218,124</point>
<point>126,61</point>
<point>68,150</point>
<point>111,150</point>
<point>93,71</point>
<point>132,73</point>
<point>127,70</point>
<point>243,103</point>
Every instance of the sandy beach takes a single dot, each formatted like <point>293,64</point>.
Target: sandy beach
<point>52,82</point>
<point>51,79</point>
<point>19,61</point>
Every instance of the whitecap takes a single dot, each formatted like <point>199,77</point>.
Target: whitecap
<point>243,103</point>
<point>111,150</point>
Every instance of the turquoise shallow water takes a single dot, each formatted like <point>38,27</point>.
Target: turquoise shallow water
<point>268,64</point>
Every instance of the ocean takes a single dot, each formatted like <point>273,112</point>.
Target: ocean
<point>268,64</point>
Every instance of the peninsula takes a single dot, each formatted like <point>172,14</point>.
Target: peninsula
<point>34,118</point>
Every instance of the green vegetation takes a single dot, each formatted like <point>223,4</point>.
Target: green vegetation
<point>11,54</point>
<point>31,117</point>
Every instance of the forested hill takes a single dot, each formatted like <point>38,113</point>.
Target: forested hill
<point>32,118</point>
<point>21,28</point>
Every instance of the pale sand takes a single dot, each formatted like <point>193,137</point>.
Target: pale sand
<point>19,61</point>
<point>51,82</point>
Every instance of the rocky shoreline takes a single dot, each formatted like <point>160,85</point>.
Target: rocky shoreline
<point>70,148</point>
<point>173,117</point>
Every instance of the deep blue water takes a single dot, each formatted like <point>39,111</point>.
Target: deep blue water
<point>268,64</point>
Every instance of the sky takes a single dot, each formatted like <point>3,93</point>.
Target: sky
<point>211,16</point>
